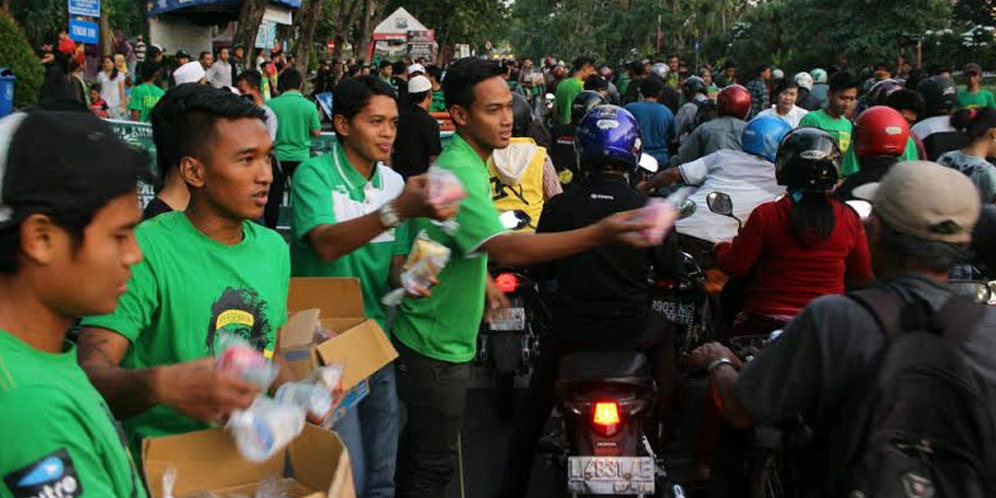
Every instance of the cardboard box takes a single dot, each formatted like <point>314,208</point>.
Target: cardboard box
<point>361,345</point>
<point>209,461</point>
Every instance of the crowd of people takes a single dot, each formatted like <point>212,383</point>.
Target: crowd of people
<point>569,146</point>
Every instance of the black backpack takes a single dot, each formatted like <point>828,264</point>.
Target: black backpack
<point>707,111</point>
<point>923,426</point>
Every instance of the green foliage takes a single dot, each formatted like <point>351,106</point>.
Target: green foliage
<point>16,54</point>
<point>975,12</point>
<point>42,19</point>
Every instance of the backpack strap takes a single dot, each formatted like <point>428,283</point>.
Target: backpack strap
<point>884,306</point>
<point>958,318</point>
<point>955,321</point>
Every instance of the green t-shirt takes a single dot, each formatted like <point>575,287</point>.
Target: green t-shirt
<point>622,83</point>
<point>850,164</point>
<point>143,98</point>
<point>839,128</point>
<point>444,326</point>
<point>328,190</point>
<point>58,433</point>
<point>297,117</point>
<point>981,98</point>
<point>438,101</point>
<point>188,288</point>
<point>567,90</point>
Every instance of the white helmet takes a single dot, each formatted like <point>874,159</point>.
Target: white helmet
<point>777,74</point>
<point>804,80</point>
<point>661,69</point>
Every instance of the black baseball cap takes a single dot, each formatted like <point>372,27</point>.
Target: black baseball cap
<point>182,54</point>
<point>65,163</point>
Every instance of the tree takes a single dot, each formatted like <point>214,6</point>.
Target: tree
<point>981,12</point>
<point>250,17</point>
<point>308,16</point>
<point>17,55</point>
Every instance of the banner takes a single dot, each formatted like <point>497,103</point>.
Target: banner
<point>86,8</point>
<point>84,31</point>
<point>422,44</point>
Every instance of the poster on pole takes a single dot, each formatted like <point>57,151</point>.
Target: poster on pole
<point>85,8</point>
<point>84,31</point>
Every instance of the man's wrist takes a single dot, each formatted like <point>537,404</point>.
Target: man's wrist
<point>154,379</point>
<point>392,214</point>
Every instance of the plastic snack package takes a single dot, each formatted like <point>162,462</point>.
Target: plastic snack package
<point>265,428</point>
<point>314,398</point>
<point>661,214</point>
<point>444,189</point>
<point>329,376</point>
<point>272,486</point>
<point>426,260</point>
<point>238,357</point>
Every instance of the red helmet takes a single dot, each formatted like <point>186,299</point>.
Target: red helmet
<point>734,100</point>
<point>880,131</point>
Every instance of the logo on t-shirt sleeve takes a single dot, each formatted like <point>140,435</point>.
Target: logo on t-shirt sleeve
<point>51,476</point>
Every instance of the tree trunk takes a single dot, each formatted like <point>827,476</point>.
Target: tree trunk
<point>310,12</point>
<point>250,17</point>
<point>346,18</point>
<point>106,42</point>
<point>366,29</point>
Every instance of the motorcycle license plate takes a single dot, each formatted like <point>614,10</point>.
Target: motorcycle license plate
<point>602,475</point>
<point>509,319</point>
<point>676,312</point>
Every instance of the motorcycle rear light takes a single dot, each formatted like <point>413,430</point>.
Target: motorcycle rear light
<point>605,417</point>
<point>507,282</point>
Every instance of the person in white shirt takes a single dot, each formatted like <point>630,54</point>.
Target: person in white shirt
<point>785,96</point>
<point>219,75</point>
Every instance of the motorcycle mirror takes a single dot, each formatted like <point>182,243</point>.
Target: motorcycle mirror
<point>978,292</point>
<point>649,163</point>
<point>862,207</point>
<point>774,335</point>
<point>992,293</point>
<point>514,220</point>
<point>720,203</point>
<point>686,209</point>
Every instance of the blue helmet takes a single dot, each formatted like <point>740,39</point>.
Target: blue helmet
<point>608,136</point>
<point>762,135</point>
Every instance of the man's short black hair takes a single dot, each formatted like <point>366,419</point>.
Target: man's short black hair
<point>905,99</point>
<point>596,83</point>
<point>435,72</point>
<point>183,122</point>
<point>149,70</point>
<point>761,68</point>
<point>252,77</point>
<point>463,76</point>
<point>384,63</point>
<point>399,68</point>
<point>883,65</point>
<point>582,61</point>
<point>673,56</point>
<point>418,98</point>
<point>843,80</point>
<point>652,86</point>
<point>729,65</point>
<point>353,94</point>
<point>290,80</point>
<point>204,53</point>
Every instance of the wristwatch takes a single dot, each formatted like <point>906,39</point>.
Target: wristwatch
<point>389,216</point>
<point>715,363</point>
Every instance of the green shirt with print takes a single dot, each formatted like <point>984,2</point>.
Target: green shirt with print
<point>297,117</point>
<point>188,289</point>
<point>981,98</point>
<point>850,166</point>
<point>839,128</point>
<point>444,326</point>
<point>143,98</point>
<point>567,90</point>
<point>438,101</point>
<point>327,189</point>
<point>58,433</point>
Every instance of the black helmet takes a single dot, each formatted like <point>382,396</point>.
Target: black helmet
<point>808,158</point>
<point>522,116</point>
<point>939,94</point>
<point>693,85</point>
<point>583,103</point>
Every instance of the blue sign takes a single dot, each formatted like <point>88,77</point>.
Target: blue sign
<point>87,8</point>
<point>695,45</point>
<point>84,31</point>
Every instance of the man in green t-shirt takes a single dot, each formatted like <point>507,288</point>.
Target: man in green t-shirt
<point>66,245</point>
<point>568,89</point>
<point>436,336</point>
<point>350,213</point>
<point>145,96</point>
<point>207,271</point>
<point>297,123</point>
<point>435,74</point>
<point>841,102</point>
<point>973,95</point>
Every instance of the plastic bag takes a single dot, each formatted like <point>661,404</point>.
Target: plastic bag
<point>272,486</point>
<point>661,214</point>
<point>238,357</point>
<point>444,189</point>
<point>266,428</point>
<point>329,377</point>
<point>426,260</point>
<point>314,398</point>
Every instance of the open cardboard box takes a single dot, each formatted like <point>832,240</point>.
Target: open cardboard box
<point>360,344</point>
<point>208,460</point>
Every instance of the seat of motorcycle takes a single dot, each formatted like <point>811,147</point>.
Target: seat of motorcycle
<point>604,366</point>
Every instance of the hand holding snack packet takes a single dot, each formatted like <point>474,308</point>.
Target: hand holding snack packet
<point>661,214</point>
<point>417,199</point>
<point>426,260</point>
<point>238,357</point>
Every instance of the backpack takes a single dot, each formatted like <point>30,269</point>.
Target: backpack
<point>707,111</point>
<point>922,426</point>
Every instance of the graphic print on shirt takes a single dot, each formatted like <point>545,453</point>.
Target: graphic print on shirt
<point>240,312</point>
<point>501,190</point>
<point>51,476</point>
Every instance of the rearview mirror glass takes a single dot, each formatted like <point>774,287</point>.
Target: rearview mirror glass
<point>720,203</point>
<point>686,209</point>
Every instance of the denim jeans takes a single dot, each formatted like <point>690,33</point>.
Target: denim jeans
<point>370,433</point>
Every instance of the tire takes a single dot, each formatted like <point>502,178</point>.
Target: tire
<point>505,395</point>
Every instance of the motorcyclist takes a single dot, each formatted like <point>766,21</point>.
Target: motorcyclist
<point>724,132</point>
<point>522,174</point>
<point>940,95</point>
<point>880,138</point>
<point>801,246</point>
<point>602,293</point>
<point>694,90</point>
<point>655,119</point>
<point>562,152</point>
<point>747,175</point>
<point>806,99</point>
<point>979,124</point>
<point>821,89</point>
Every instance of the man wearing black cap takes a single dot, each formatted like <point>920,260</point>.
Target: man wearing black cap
<point>67,219</point>
<point>974,95</point>
<point>201,278</point>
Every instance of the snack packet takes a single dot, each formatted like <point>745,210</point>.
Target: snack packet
<point>314,398</point>
<point>238,357</point>
<point>661,214</point>
<point>426,260</point>
<point>444,189</point>
<point>265,428</point>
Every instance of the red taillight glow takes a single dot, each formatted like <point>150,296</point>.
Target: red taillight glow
<point>507,282</point>
<point>605,417</point>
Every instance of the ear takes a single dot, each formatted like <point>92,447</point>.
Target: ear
<point>460,115</point>
<point>41,239</point>
<point>192,171</point>
<point>341,124</point>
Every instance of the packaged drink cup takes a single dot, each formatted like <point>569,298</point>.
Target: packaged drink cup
<point>315,399</point>
<point>661,214</point>
<point>266,428</point>
<point>238,357</point>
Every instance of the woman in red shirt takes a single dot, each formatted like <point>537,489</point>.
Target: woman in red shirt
<point>801,246</point>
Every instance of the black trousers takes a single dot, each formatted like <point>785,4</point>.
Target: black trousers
<point>283,171</point>
<point>657,342</point>
<point>434,394</point>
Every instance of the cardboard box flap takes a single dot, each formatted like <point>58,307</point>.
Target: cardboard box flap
<point>335,297</point>
<point>196,456</point>
<point>331,472</point>
<point>363,350</point>
<point>299,331</point>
